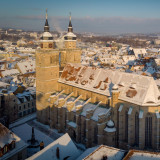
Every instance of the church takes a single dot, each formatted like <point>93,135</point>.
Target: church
<point>94,105</point>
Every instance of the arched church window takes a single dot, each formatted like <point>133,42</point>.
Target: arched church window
<point>126,126</point>
<point>148,130</point>
<point>84,129</point>
<point>136,129</point>
<point>95,134</point>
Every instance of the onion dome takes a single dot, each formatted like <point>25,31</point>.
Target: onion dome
<point>46,35</point>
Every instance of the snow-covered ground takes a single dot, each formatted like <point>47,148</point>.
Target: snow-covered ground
<point>23,120</point>
<point>24,131</point>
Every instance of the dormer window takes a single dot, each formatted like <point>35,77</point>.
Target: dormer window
<point>91,77</point>
<point>133,86</point>
<point>5,149</point>
<point>121,84</point>
<point>131,93</point>
<point>106,80</point>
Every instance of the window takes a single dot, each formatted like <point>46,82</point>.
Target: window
<point>20,114</point>
<point>95,134</point>
<point>19,107</point>
<point>136,129</point>
<point>5,149</point>
<point>24,113</point>
<point>126,126</point>
<point>28,105</point>
<point>84,130</point>
<point>41,45</point>
<point>148,131</point>
<point>24,106</point>
<point>50,46</point>
<point>74,118</point>
<point>19,155</point>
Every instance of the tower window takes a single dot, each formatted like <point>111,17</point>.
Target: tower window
<point>50,46</point>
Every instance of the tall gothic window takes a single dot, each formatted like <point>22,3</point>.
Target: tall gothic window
<point>65,119</point>
<point>74,117</point>
<point>84,130</point>
<point>148,131</point>
<point>95,134</point>
<point>126,126</point>
<point>136,129</point>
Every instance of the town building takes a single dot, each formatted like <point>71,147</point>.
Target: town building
<point>11,146</point>
<point>16,101</point>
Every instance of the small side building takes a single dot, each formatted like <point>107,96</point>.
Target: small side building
<point>11,146</point>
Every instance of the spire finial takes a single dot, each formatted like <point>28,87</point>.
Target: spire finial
<point>46,14</point>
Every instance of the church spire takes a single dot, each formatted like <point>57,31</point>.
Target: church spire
<point>70,29</point>
<point>46,27</point>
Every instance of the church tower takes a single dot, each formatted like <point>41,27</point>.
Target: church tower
<point>47,73</point>
<point>70,37</point>
<point>70,53</point>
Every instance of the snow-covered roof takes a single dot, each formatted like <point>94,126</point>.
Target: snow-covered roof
<point>70,34</point>
<point>3,84</point>
<point>98,153</point>
<point>26,66</point>
<point>110,126</point>
<point>9,72</point>
<point>47,34</point>
<point>142,155</point>
<point>66,148</point>
<point>138,89</point>
<point>138,51</point>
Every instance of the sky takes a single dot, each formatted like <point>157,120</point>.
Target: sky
<point>97,16</point>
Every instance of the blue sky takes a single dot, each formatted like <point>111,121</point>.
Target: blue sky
<point>99,16</point>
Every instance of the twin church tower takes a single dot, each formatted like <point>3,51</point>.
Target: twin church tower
<point>50,62</point>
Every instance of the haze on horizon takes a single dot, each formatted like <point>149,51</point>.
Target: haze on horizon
<point>105,16</point>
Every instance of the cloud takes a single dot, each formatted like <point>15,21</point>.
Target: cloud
<point>106,25</point>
